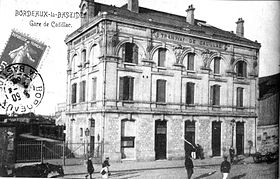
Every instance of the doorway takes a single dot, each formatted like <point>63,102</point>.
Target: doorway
<point>160,139</point>
<point>189,136</point>
<point>240,138</point>
<point>216,138</point>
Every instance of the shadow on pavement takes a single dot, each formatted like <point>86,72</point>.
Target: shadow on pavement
<point>239,176</point>
<point>205,175</point>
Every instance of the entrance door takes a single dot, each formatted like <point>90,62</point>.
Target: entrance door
<point>216,138</point>
<point>160,139</point>
<point>239,138</point>
<point>189,136</point>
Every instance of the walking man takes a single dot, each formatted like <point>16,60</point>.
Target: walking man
<point>225,168</point>
<point>189,166</point>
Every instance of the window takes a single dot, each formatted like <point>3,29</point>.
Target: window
<point>241,69</point>
<point>93,97</point>
<point>161,91</point>
<point>84,56</point>
<point>215,95</point>
<point>190,61</point>
<point>82,91</point>
<point>161,57</point>
<point>239,97</point>
<point>217,65</point>
<point>130,53</point>
<point>74,93</point>
<point>127,133</point>
<point>94,55</point>
<point>126,88</point>
<point>75,64</point>
<point>81,132</point>
<point>190,93</point>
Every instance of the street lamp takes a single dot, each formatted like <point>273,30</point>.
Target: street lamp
<point>232,130</point>
<point>87,132</point>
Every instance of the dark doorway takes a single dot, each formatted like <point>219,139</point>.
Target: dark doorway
<point>160,139</point>
<point>189,136</point>
<point>216,138</point>
<point>240,138</point>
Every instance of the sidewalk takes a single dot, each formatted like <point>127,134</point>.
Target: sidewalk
<point>149,165</point>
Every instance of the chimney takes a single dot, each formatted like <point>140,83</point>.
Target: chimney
<point>190,14</point>
<point>133,6</point>
<point>240,27</point>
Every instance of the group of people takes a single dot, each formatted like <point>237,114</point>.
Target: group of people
<point>195,153</point>
<point>105,173</point>
<point>224,168</point>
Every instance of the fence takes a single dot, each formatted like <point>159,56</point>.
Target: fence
<point>57,152</point>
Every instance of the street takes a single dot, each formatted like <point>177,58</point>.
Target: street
<point>249,170</point>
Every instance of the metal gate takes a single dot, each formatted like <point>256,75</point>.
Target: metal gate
<point>57,152</point>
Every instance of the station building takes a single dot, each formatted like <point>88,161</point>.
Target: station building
<point>140,81</point>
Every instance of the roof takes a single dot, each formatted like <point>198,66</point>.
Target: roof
<point>268,86</point>
<point>174,21</point>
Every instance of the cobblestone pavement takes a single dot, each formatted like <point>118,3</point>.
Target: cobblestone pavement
<point>208,168</point>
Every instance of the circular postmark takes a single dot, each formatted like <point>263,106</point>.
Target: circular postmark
<point>21,88</point>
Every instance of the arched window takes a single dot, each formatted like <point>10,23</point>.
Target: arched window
<point>129,53</point>
<point>84,14</point>
<point>74,63</point>
<point>241,69</point>
<point>84,57</point>
<point>94,55</point>
<point>217,65</point>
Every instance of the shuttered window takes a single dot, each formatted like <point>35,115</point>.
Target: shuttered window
<point>94,83</point>
<point>161,91</point>
<point>190,93</point>
<point>239,96</point>
<point>241,69</point>
<point>126,88</point>
<point>215,95</point>
<point>130,53</point>
<point>82,91</point>
<point>161,57</point>
<point>217,65</point>
<point>74,93</point>
<point>190,61</point>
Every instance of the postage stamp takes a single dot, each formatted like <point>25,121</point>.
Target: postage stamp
<point>21,88</point>
<point>21,48</point>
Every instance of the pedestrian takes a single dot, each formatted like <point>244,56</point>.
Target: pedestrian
<point>189,166</point>
<point>90,168</point>
<point>105,168</point>
<point>225,168</point>
<point>231,154</point>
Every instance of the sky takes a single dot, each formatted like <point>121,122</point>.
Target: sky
<point>261,24</point>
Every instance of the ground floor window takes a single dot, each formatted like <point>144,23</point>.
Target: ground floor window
<point>127,139</point>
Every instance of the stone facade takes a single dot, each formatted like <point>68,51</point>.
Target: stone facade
<point>97,55</point>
